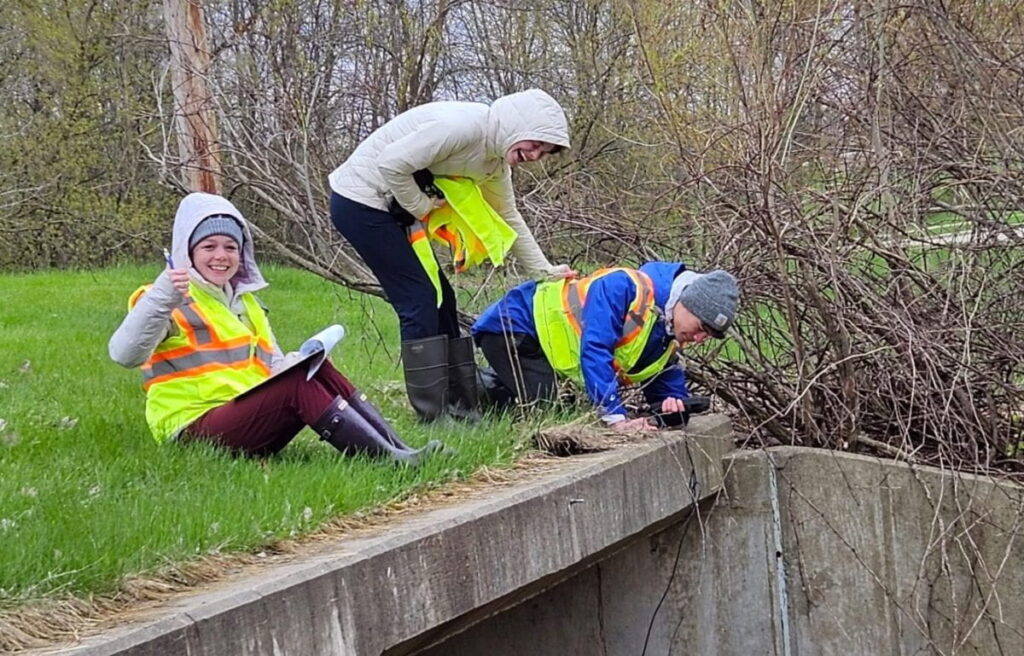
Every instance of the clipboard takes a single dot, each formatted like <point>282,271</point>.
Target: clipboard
<point>311,354</point>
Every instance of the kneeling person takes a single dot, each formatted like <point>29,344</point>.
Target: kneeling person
<point>202,339</point>
<point>617,326</point>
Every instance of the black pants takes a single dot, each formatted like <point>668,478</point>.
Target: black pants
<point>384,246</point>
<point>520,364</point>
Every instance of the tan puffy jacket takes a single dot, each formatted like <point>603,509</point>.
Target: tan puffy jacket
<point>456,139</point>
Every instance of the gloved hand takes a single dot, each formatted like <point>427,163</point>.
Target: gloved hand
<point>425,181</point>
<point>401,215</point>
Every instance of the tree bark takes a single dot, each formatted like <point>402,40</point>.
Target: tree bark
<point>193,106</point>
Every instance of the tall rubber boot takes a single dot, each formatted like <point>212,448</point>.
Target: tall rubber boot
<point>426,375</point>
<point>346,430</point>
<point>373,416</point>
<point>462,377</point>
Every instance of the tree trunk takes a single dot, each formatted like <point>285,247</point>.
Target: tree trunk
<point>193,107</point>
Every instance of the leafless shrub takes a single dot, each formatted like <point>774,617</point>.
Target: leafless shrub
<point>856,164</point>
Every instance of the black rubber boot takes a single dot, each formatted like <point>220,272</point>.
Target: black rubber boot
<point>346,430</point>
<point>462,377</point>
<point>426,375</point>
<point>373,416</point>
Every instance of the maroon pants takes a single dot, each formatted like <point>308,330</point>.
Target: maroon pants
<point>265,421</point>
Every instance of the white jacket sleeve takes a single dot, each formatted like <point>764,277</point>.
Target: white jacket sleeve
<point>434,141</point>
<point>146,325</point>
<point>500,195</point>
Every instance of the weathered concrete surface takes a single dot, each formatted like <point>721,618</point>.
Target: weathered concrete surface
<point>805,552</point>
<point>885,558</point>
<point>435,574</point>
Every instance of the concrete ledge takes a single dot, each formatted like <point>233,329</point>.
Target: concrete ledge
<point>408,586</point>
<point>805,551</point>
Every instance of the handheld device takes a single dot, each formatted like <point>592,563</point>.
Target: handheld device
<point>694,405</point>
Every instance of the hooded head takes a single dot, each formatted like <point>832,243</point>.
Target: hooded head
<point>710,297</point>
<point>530,115</point>
<point>203,215</point>
<point>218,224</point>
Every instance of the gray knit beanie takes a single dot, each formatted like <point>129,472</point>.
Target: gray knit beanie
<point>712,297</point>
<point>218,224</point>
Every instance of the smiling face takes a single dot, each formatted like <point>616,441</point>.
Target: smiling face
<point>216,258</point>
<point>686,327</point>
<point>528,151</point>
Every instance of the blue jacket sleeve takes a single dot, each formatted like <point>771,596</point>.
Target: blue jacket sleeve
<point>603,315</point>
<point>669,383</point>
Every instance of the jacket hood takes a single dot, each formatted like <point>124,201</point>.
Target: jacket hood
<point>526,115</point>
<point>662,274</point>
<point>191,211</point>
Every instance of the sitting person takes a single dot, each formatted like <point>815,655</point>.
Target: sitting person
<point>616,326</point>
<point>202,339</point>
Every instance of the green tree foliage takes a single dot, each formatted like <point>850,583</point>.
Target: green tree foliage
<point>78,79</point>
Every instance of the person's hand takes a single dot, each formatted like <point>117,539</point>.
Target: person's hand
<point>436,204</point>
<point>562,272</point>
<point>179,278</point>
<point>672,404</point>
<point>633,425</point>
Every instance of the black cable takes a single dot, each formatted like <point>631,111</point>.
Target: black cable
<point>694,484</point>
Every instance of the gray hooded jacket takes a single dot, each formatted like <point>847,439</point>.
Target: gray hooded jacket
<point>149,322</point>
<point>456,139</point>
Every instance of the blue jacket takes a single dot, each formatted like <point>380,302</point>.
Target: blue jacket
<point>607,301</point>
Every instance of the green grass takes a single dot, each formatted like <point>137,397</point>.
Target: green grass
<point>88,498</point>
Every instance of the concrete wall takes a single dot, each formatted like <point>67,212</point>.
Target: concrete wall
<point>432,575</point>
<point>670,546</point>
<point>805,552</point>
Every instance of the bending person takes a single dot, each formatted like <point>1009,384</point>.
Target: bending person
<point>202,339</point>
<point>617,326</point>
<point>381,191</point>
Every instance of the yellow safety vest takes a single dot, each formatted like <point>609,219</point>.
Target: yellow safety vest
<point>469,226</point>
<point>558,314</point>
<point>213,358</point>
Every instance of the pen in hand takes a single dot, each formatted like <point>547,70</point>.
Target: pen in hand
<point>179,277</point>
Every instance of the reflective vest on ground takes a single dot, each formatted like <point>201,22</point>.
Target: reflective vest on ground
<point>467,224</point>
<point>558,314</point>
<point>213,358</point>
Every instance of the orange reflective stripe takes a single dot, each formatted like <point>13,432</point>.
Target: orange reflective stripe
<point>244,340</point>
<point>264,344</point>
<point>574,297</point>
<point>446,234</point>
<point>417,233</point>
<point>204,321</point>
<point>641,306</point>
<point>206,368</point>
<point>193,359</point>
<point>186,326</point>
<point>190,358</point>
<point>571,297</point>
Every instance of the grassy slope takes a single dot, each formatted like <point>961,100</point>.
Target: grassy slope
<point>87,497</point>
